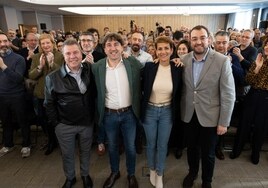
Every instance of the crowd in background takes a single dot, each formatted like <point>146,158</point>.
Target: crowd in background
<point>246,50</point>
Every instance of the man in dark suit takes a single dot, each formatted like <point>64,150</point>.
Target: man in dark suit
<point>86,40</point>
<point>118,104</point>
<point>221,45</point>
<point>207,102</point>
<point>29,51</point>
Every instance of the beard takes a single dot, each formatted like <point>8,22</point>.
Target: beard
<point>3,49</point>
<point>135,48</point>
<point>199,49</point>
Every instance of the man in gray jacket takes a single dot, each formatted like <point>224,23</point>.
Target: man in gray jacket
<point>207,102</point>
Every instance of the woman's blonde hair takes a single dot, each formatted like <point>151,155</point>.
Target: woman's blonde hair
<point>46,36</point>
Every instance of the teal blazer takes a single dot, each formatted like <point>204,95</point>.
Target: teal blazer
<point>133,68</point>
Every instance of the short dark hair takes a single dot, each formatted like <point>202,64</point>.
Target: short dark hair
<point>164,39</point>
<point>186,43</point>
<point>93,30</point>
<point>177,35</point>
<point>199,27</point>
<point>87,33</point>
<point>112,37</point>
<point>222,33</point>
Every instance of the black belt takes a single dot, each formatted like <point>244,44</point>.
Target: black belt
<point>120,110</point>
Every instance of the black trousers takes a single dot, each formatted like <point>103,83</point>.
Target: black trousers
<point>254,115</point>
<point>201,142</point>
<point>13,109</point>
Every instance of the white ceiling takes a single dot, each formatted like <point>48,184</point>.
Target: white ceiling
<point>51,6</point>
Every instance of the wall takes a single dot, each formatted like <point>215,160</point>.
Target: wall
<point>11,17</point>
<point>57,22</point>
<point>46,19</point>
<point>3,23</point>
<point>81,23</point>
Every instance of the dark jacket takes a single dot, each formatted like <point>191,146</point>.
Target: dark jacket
<point>63,101</point>
<point>148,78</point>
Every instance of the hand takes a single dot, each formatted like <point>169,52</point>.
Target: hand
<point>30,54</point>
<point>42,61</point>
<point>259,60</point>
<point>237,52</point>
<point>89,58</point>
<point>2,64</point>
<point>178,62</point>
<point>125,55</point>
<point>50,58</point>
<point>156,61</point>
<point>221,130</point>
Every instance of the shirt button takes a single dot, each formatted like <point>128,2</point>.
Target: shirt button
<point>195,92</point>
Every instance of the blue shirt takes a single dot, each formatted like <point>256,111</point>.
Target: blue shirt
<point>198,66</point>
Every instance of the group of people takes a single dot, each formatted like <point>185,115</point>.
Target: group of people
<point>189,88</point>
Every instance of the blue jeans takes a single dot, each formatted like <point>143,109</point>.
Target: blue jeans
<point>125,122</point>
<point>157,126</point>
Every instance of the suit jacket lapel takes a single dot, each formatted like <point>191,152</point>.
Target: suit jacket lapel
<point>102,77</point>
<point>129,74</point>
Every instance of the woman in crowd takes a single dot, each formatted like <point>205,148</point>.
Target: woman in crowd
<point>255,110</point>
<point>151,50</point>
<point>183,47</point>
<point>161,98</point>
<point>47,60</point>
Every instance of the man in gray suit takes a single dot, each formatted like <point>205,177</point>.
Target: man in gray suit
<point>207,102</point>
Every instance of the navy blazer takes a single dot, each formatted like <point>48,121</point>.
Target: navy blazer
<point>148,77</point>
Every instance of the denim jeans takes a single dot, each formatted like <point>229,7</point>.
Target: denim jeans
<point>157,126</point>
<point>125,122</point>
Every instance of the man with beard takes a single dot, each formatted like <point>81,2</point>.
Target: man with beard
<point>207,102</point>
<point>136,45</point>
<point>12,97</point>
<point>86,40</point>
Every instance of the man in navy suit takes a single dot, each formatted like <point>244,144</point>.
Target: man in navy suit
<point>221,45</point>
<point>207,102</point>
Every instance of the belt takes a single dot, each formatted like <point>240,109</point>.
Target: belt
<point>120,110</point>
<point>159,104</point>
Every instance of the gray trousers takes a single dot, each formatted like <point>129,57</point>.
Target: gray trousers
<point>66,135</point>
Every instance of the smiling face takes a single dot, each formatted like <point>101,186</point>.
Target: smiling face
<point>182,49</point>
<point>136,41</point>
<point>87,43</point>
<point>199,41</point>
<point>163,52</point>
<point>72,56</point>
<point>46,45</point>
<point>4,43</point>
<point>113,50</point>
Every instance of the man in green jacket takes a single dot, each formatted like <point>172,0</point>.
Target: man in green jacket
<point>118,93</point>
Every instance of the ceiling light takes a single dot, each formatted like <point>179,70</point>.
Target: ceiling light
<point>151,10</point>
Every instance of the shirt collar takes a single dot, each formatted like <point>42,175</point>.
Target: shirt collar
<point>107,64</point>
<point>68,70</point>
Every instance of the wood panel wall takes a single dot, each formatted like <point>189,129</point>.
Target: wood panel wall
<point>81,23</point>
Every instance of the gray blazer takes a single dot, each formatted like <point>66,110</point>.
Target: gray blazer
<point>214,95</point>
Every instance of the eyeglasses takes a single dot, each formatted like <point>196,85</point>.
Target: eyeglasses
<point>86,40</point>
